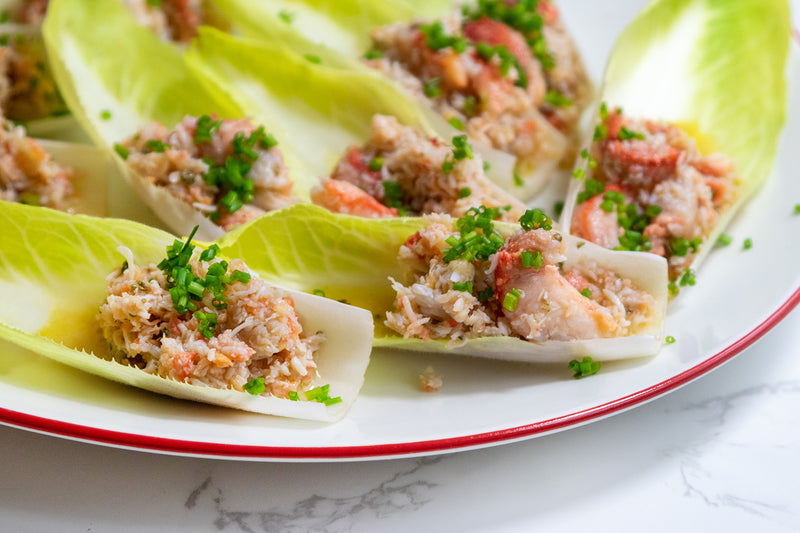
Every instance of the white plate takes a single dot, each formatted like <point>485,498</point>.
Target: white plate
<point>739,296</point>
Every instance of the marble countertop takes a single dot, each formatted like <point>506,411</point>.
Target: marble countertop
<point>721,454</point>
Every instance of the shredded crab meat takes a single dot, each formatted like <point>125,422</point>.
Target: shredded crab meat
<point>28,174</point>
<point>406,159</point>
<point>550,304</point>
<point>429,380</point>
<point>496,107</point>
<point>184,164</point>
<point>27,89</point>
<point>259,333</point>
<point>662,168</point>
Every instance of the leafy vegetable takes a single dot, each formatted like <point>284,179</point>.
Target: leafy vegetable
<point>352,258</point>
<point>57,264</point>
<point>698,47</point>
<point>686,62</point>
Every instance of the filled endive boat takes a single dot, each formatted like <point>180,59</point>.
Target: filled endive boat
<point>28,93</point>
<point>679,147</point>
<point>64,176</point>
<point>400,172</point>
<point>165,92</point>
<point>468,286</point>
<point>129,303</point>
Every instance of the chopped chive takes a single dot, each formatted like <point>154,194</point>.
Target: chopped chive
<point>607,206</point>
<point>470,106</point>
<point>155,145</point>
<point>256,386</point>
<point>626,134</point>
<point>797,209</point>
<point>294,396</point>
<point>579,173</point>
<point>240,276</point>
<point>318,292</point>
<point>584,368</point>
<point>556,99</point>
<point>121,151</point>
<point>670,339</point>
<point>603,111</point>
<point>586,292</point>
<point>600,132</point>
<point>105,114</point>
<point>465,286</point>
<point>375,164</point>
<point>652,210</point>
<point>748,243</point>
<point>29,198</point>
<point>485,294</point>
<point>688,278</point>
<point>532,259</point>
<point>373,54</point>
<point>511,300</point>
<point>286,16</point>
<point>486,166</point>
<point>724,239</point>
<point>209,253</point>
<point>456,123</point>
<point>205,128</point>
<point>673,289</point>
<point>518,181</point>
<point>535,219</point>
<point>313,59</point>
<point>431,88</point>
<point>464,192</point>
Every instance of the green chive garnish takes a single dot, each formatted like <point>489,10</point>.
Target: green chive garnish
<point>511,300</point>
<point>583,368</point>
<point>255,386</point>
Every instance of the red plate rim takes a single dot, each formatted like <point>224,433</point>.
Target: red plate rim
<point>238,451</point>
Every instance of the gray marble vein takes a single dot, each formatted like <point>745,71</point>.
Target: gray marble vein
<point>700,478</point>
<point>404,492</point>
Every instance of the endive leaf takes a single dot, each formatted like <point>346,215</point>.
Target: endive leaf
<point>699,65</point>
<point>313,109</point>
<point>138,79</point>
<point>350,258</point>
<point>341,26</point>
<point>92,170</point>
<point>57,265</point>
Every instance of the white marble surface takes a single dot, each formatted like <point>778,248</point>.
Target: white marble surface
<point>721,454</point>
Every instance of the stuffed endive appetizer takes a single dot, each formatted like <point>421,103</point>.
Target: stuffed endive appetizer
<point>189,152</point>
<point>667,168</point>
<point>28,92</point>
<point>400,172</point>
<point>471,285</point>
<point>506,73</point>
<point>64,176</point>
<point>130,303</point>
